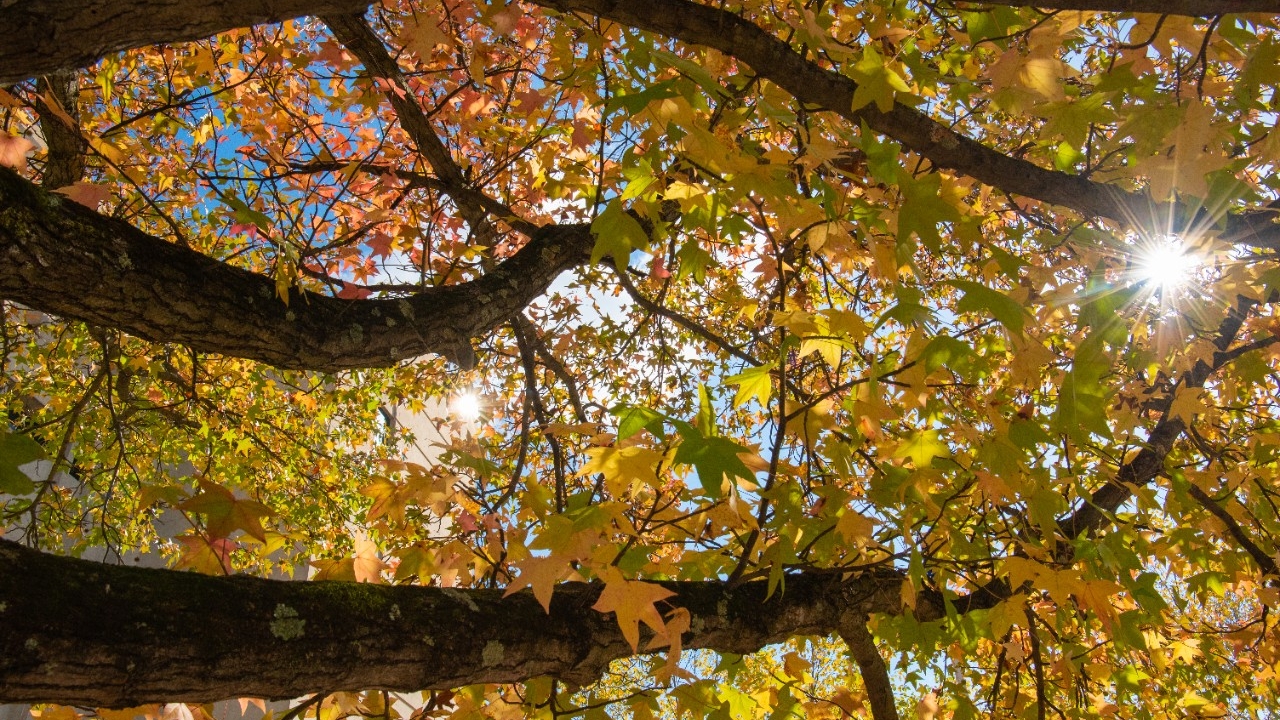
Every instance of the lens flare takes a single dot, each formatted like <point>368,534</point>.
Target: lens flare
<point>1167,264</point>
<point>467,406</point>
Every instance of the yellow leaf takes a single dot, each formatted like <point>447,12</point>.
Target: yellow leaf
<point>922,448</point>
<point>541,574</point>
<point>623,467</point>
<point>1187,404</point>
<point>1006,614</point>
<point>632,602</point>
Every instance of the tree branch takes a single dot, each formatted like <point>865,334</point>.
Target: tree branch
<point>1264,561</point>
<point>126,279</point>
<point>44,36</point>
<point>810,83</point>
<point>875,674</point>
<point>76,632</point>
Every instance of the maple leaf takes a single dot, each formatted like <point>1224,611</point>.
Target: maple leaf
<point>624,467</point>
<point>90,195</point>
<point>352,291</point>
<point>210,556</point>
<point>632,602</point>
<point>225,513</point>
<point>541,574</point>
<point>367,565</point>
<point>15,451</point>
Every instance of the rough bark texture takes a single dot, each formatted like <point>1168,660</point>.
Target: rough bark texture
<point>64,163</point>
<point>810,83</point>
<point>76,632</point>
<point>44,36</point>
<point>61,258</point>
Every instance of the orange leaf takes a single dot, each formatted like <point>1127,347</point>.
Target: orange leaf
<point>13,151</point>
<point>89,195</point>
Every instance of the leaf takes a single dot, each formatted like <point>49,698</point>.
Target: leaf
<point>209,556</point>
<point>632,602</point>
<point>624,467</point>
<point>90,195</point>
<point>13,151</point>
<point>717,460</point>
<point>225,513</point>
<point>632,419</point>
<point>978,297</point>
<point>15,451</point>
<point>246,215</point>
<point>616,233</point>
<point>877,82</point>
<point>541,574</point>
<point>923,210</point>
<point>921,448</point>
<point>367,565</point>
<point>753,383</point>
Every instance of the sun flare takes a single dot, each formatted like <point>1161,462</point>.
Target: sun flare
<point>1167,264</point>
<point>467,406</point>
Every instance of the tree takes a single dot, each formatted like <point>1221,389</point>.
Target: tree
<point>896,355</point>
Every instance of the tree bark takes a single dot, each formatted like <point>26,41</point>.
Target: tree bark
<point>45,36</point>
<point>875,674</point>
<point>81,633</point>
<point>61,258</point>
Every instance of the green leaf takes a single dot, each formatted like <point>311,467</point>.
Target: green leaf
<point>946,351</point>
<point>633,418</point>
<point>714,459</point>
<point>877,82</point>
<point>923,209</point>
<point>17,450</point>
<point>922,448</point>
<point>979,297</point>
<point>706,420</point>
<point>636,102</point>
<point>617,233</point>
<point>756,382</point>
<point>1082,404</point>
<point>246,215</point>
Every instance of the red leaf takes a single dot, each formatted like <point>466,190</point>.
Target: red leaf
<point>658,270</point>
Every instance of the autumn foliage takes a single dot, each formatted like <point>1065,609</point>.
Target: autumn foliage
<point>832,360</point>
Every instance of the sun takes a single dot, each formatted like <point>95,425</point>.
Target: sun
<point>1167,264</point>
<point>466,406</point>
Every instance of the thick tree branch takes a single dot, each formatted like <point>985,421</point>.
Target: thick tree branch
<point>875,674</point>
<point>60,258</point>
<point>813,84</point>
<point>64,164</point>
<point>81,633</point>
<point>44,36</point>
<point>1193,8</point>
